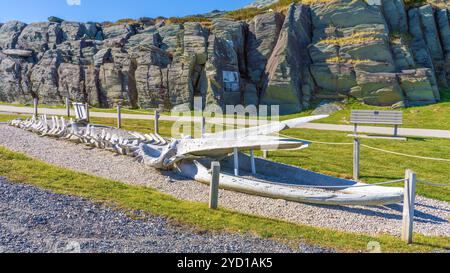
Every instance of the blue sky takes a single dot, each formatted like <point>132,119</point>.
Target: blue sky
<point>108,10</point>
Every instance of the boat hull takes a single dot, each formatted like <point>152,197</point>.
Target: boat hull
<point>288,184</point>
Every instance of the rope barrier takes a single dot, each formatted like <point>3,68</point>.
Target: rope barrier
<point>316,142</point>
<point>432,184</point>
<point>407,155</point>
<point>338,187</point>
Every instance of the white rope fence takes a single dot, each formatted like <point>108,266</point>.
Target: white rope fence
<point>433,184</point>
<point>407,155</point>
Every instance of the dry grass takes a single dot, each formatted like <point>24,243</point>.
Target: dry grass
<point>341,60</point>
<point>364,37</point>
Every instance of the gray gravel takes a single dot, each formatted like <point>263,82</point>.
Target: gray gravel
<point>34,220</point>
<point>432,216</point>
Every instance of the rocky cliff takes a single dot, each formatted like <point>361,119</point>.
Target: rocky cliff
<point>381,54</point>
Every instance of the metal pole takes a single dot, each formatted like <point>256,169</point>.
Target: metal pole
<point>214,190</point>
<point>252,158</point>
<point>35,104</point>
<point>236,162</point>
<point>157,115</point>
<point>68,106</point>
<point>266,154</point>
<point>396,131</point>
<point>119,116</point>
<point>408,206</point>
<point>356,158</point>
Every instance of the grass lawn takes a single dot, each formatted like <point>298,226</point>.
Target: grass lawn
<point>336,160</point>
<point>22,169</point>
<point>435,116</point>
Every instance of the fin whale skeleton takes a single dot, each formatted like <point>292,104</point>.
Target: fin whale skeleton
<point>192,158</point>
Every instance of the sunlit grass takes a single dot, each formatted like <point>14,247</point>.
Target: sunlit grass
<point>22,169</point>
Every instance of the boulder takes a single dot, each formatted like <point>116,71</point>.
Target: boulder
<point>444,30</point>
<point>195,42</point>
<point>9,33</point>
<point>430,31</point>
<point>172,38</point>
<point>102,56</point>
<point>425,43</point>
<point>333,80</point>
<point>114,31</point>
<point>152,76</point>
<point>13,83</point>
<point>44,78</point>
<point>287,69</point>
<point>72,31</point>
<point>327,107</point>
<point>345,14</point>
<point>40,37</point>
<point>92,31</point>
<point>395,14</point>
<point>380,89</point>
<point>351,38</point>
<point>71,82</point>
<point>110,84</point>
<point>187,70</point>
<point>262,37</point>
<point>148,37</point>
<point>226,61</point>
<point>402,54</point>
<point>54,19</point>
<point>417,86</point>
<point>18,53</point>
<point>91,86</point>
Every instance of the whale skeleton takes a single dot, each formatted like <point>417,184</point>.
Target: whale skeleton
<point>192,158</point>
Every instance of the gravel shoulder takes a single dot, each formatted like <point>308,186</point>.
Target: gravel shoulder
<point>35,220</point>
<point>432,216</point>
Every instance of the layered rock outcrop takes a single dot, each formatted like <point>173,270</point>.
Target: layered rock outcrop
<point>381,53</point>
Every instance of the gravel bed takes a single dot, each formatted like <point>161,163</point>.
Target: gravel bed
<point>35,220</point>
<point>432,217</point>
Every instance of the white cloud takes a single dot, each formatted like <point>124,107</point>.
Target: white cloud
<point>74,2</point>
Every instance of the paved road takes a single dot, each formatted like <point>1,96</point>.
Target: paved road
<point>315,126</point>
<point>35,220</point>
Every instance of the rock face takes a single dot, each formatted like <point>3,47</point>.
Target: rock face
<point>378,52</point>
<point>288,82</point>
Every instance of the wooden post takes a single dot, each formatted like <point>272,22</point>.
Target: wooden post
<point>119,116</point>
<point>408,206</point>
<point>236,162</point>
<point>253,163</point>
<point>203,126</point>
<point>157,115</point>
<point>214,190</point>
<point>356,158</point>
<point>35,104</point>
<point>68,107</point>
<point>87,112</point>
<point>266,154</point>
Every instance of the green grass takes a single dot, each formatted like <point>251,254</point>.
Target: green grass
<point>435,116</point>
<point>22,169</point>
<point>336,160</point>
